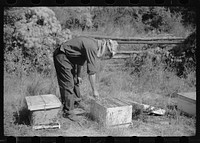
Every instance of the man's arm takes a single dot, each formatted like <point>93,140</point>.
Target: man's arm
<point>79,70</point>
<point>92,79</point>
<point>92,65</point>
<point>79,74</point>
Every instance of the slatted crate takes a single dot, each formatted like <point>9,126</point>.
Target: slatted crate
<point>43,111</point>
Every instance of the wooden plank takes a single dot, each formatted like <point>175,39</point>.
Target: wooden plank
<point>38,127</point>
<point>121,126</point>
<point>41,102</point>
<point>189,95</point>
<point>32,100</point>
<point>135,38</point>
<point>121,56</point>
<point>187,102</point>
<point>127,54</point>
<point>131,52</point>
<point>151,42</point>
<point>147,108</point>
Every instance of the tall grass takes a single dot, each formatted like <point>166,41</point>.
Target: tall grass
<point>16,89</point>
<point>149,84</point>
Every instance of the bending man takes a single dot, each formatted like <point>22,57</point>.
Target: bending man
<point>69,57</point>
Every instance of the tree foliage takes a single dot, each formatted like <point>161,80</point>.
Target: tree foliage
<point>139,19</point>
<point>31,33</point>
<point>29,39</point>
<point>74,17</point>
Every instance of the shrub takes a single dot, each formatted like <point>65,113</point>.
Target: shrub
<point>74,17</point>
<point>158,70</point>
<point>30,39</point>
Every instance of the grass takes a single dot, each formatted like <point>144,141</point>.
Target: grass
<point>126,80</point>
<point>112,82</point>
<point>145,84</point>
<point>15,91</point>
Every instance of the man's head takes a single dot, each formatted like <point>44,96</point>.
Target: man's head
<point>107,48</point>
<point>112,46</point>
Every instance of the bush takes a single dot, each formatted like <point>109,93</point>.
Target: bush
<point>30,39</point>
<point>74,17</point>
<point>162,71</point>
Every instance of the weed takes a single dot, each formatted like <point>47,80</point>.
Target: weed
<point>137,112</point>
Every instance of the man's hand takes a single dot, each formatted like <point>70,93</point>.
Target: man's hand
<point>79,80</point>
<point>96,94</point>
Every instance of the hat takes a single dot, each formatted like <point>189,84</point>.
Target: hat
<point>105,46</point>
<point>112,46</point>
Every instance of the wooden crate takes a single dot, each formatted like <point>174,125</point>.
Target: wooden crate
<point>187,102</point>
<point>43,111</point>
<point>112,112</point>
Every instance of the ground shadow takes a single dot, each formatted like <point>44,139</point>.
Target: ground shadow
<point>89,116</point>
<point>22,117</point>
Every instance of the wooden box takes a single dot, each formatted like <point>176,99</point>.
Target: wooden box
<point>43,110</point>
<point>187,102</point>
<point>111,112</point>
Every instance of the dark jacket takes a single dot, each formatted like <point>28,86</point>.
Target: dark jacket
<point>81,49</point>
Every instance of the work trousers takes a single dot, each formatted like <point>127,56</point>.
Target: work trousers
<point>67,79</point>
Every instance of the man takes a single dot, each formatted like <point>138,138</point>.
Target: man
<point>69,57</point>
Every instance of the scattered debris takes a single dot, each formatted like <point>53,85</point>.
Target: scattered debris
<point>146,108</point>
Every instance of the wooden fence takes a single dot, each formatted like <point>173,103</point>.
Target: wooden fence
<point>167,39</point>
<point>137,40</point>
